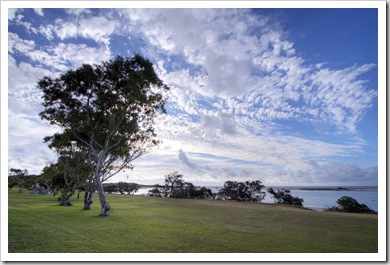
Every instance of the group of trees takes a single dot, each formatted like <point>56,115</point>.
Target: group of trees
<point>121,187</point>
<point>242,191</point>
<point>175,187</point>
<point>19,178</point>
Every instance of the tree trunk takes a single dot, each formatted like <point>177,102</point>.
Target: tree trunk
<point>88,199</point>
<point>65,199</point>
<point>106,208</point>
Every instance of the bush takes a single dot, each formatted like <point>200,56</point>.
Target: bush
<point>349,204</point>
<point>283,196</point>
<point>156,192</point>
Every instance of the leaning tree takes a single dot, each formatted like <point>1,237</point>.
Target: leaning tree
<point>109,109</point>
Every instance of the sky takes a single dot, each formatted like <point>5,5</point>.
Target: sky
<point>285,96</point>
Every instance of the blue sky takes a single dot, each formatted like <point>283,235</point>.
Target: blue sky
<point>285,96</point>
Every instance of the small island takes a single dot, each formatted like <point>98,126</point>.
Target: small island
<point>334,189</point>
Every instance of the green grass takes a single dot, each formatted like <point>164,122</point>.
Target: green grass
<point>144,224</point>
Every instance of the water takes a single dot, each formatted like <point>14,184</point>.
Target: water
<point>318,199</point>
<point>324,199</point>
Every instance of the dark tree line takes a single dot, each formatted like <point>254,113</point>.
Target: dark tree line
<point>242,191</point>
<point>21,179</point>
<point>175,187</point>
<point>121,187</point>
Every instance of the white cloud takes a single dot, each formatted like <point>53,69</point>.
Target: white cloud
<point>77,11</point>
<point>39,11</point>
<point>335,173</point>
<point>97,28</point>
<point>16,44</point>
<point>184,160</point>
<point>47,31</point>
<point>23,78</point>
<point>211,137</point>
<point>65,29</point>
<point>78,54</point>
<point>62,56</point>
<point>13,12</point>
<point>221,123</point>
<point>215,42</point>
<point>26,131</point>
<point>341,97</point>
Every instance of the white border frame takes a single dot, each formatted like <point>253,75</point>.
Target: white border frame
<point>382,182</point>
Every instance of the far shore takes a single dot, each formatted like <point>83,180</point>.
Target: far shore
<point>339,189</point>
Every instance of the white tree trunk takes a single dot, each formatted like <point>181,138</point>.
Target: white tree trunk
<point>106,208</point>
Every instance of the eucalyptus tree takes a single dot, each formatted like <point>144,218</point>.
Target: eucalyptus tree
<point>110,110</point>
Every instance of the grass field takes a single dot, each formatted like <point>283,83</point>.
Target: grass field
<point>144,224</point>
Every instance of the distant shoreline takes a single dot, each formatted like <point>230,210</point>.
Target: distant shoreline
<point>307,188</point>
<point>338,189</point>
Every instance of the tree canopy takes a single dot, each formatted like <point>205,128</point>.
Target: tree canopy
<point>106,111</point>
<point>283,196</point>
<point>349,204</point>
<point>175,187</point>
<point>242,191</point>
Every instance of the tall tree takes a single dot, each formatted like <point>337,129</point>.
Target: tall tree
<point>110,110</point>
<point>173,184</point>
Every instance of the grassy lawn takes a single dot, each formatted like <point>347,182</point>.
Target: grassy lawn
<point>144,224</point>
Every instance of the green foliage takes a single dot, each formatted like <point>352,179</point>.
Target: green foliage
<point>283,196</point>
<point>242,191</point>
<point>70,173</point>
<point>349,204</point>
<point>155,225</point>
<point>110,104</point>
